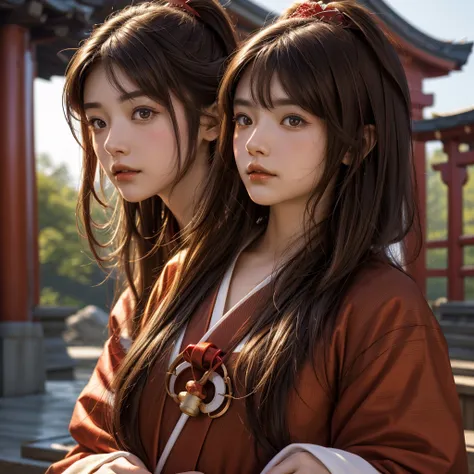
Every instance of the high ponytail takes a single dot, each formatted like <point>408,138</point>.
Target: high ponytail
<point>165,51</point>
<point>218,20</point>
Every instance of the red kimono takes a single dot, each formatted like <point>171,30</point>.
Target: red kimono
<point>396,408</point>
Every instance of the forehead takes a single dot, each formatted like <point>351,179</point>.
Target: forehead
<point>99,82</point>
<point>248,87</point>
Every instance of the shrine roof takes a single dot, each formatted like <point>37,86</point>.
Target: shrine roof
<point>458,53</point>
<point>456,124</point>
<point>58,25</point>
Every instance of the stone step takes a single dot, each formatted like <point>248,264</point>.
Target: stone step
<point>459,311</point>
<point>461,341</point>
<point>450,327</point>
<point>18,465</point>
<point>59,365</point>
<point>462,367</point>
<point>469,437</point>
<point>84,357</point>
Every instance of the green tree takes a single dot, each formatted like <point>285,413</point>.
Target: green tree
<point>68,274</point>
<point>437,223</point>
<point>436,220</point>
<point>468,219</point>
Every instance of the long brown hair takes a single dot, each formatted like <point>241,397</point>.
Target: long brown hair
<point>164,50</point>
<point>351,78</point>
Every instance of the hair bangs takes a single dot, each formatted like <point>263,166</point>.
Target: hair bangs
<point>147,68</point>
<point>309,83</point>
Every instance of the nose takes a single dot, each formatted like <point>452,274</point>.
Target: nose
<point>257,144</point>
<point>116,143</point>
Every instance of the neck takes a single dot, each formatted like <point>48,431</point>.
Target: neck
<point>286,223</point>
<point>182,199</point>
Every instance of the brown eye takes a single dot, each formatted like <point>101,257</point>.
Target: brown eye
<point>242,120</point>
<point>293,121</point>
<point>143,114</point>
<point>97,124</point>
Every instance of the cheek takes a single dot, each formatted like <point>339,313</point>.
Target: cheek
<point>100,153</point>
<point>239,146</point>
<point>160,140</point>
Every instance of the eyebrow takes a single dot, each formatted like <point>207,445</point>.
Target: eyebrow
<point>276,102</point>
<point>123,98</point>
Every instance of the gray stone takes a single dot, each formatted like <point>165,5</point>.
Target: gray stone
<point>22,363</point>
<point>459,311</point>
<point>59,365</point>
<point>457,322</point>
<point>88,327</point>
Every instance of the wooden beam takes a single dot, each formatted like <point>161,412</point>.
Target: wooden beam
<point>467,271</point>
<point>437,244</point>
<point>465,158</point>
<point>466,240</point>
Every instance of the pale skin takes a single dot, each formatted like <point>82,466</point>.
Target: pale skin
<point>135,131</point>
<point>267,138</point>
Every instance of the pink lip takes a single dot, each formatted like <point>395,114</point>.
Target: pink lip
<point>118,167</point>
<point>123,173</point>
<point>260,177</point>
<point>126,175</point>
<point>258,174</point>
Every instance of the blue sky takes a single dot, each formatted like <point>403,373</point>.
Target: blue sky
<point>449,21</point>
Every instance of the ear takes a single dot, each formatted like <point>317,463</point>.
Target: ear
<point>210,124</point>
<point>370,140</point>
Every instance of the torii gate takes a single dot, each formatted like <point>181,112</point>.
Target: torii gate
<point>452,130</point>
<point>423,57</point>
<point>31,35</point>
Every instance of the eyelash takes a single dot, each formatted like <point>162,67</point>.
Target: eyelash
<point>94,122</point>
<point>239,116</point>
<point>302,122</point>
<point>147,109</point>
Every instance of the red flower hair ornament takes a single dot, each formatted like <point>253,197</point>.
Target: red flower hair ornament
<point>184,5</point>
<point>320,11</point>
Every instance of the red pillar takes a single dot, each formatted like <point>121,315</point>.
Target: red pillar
<point>16,302</point>
<point>419,100</point>
<point>32,198</point>
<point>456,177</point>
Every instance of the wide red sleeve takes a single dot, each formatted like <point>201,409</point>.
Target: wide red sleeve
<point>397,405</point>
<point>90,423</point>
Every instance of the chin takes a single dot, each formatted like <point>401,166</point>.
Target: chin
<point>136,197</point>
<point>264,199</point>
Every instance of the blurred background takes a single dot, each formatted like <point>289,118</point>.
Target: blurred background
<point>68,278</point>
<point>54,302</point>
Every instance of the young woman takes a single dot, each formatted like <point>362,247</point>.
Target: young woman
<point>284,338</point>
<point>143,88</point>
